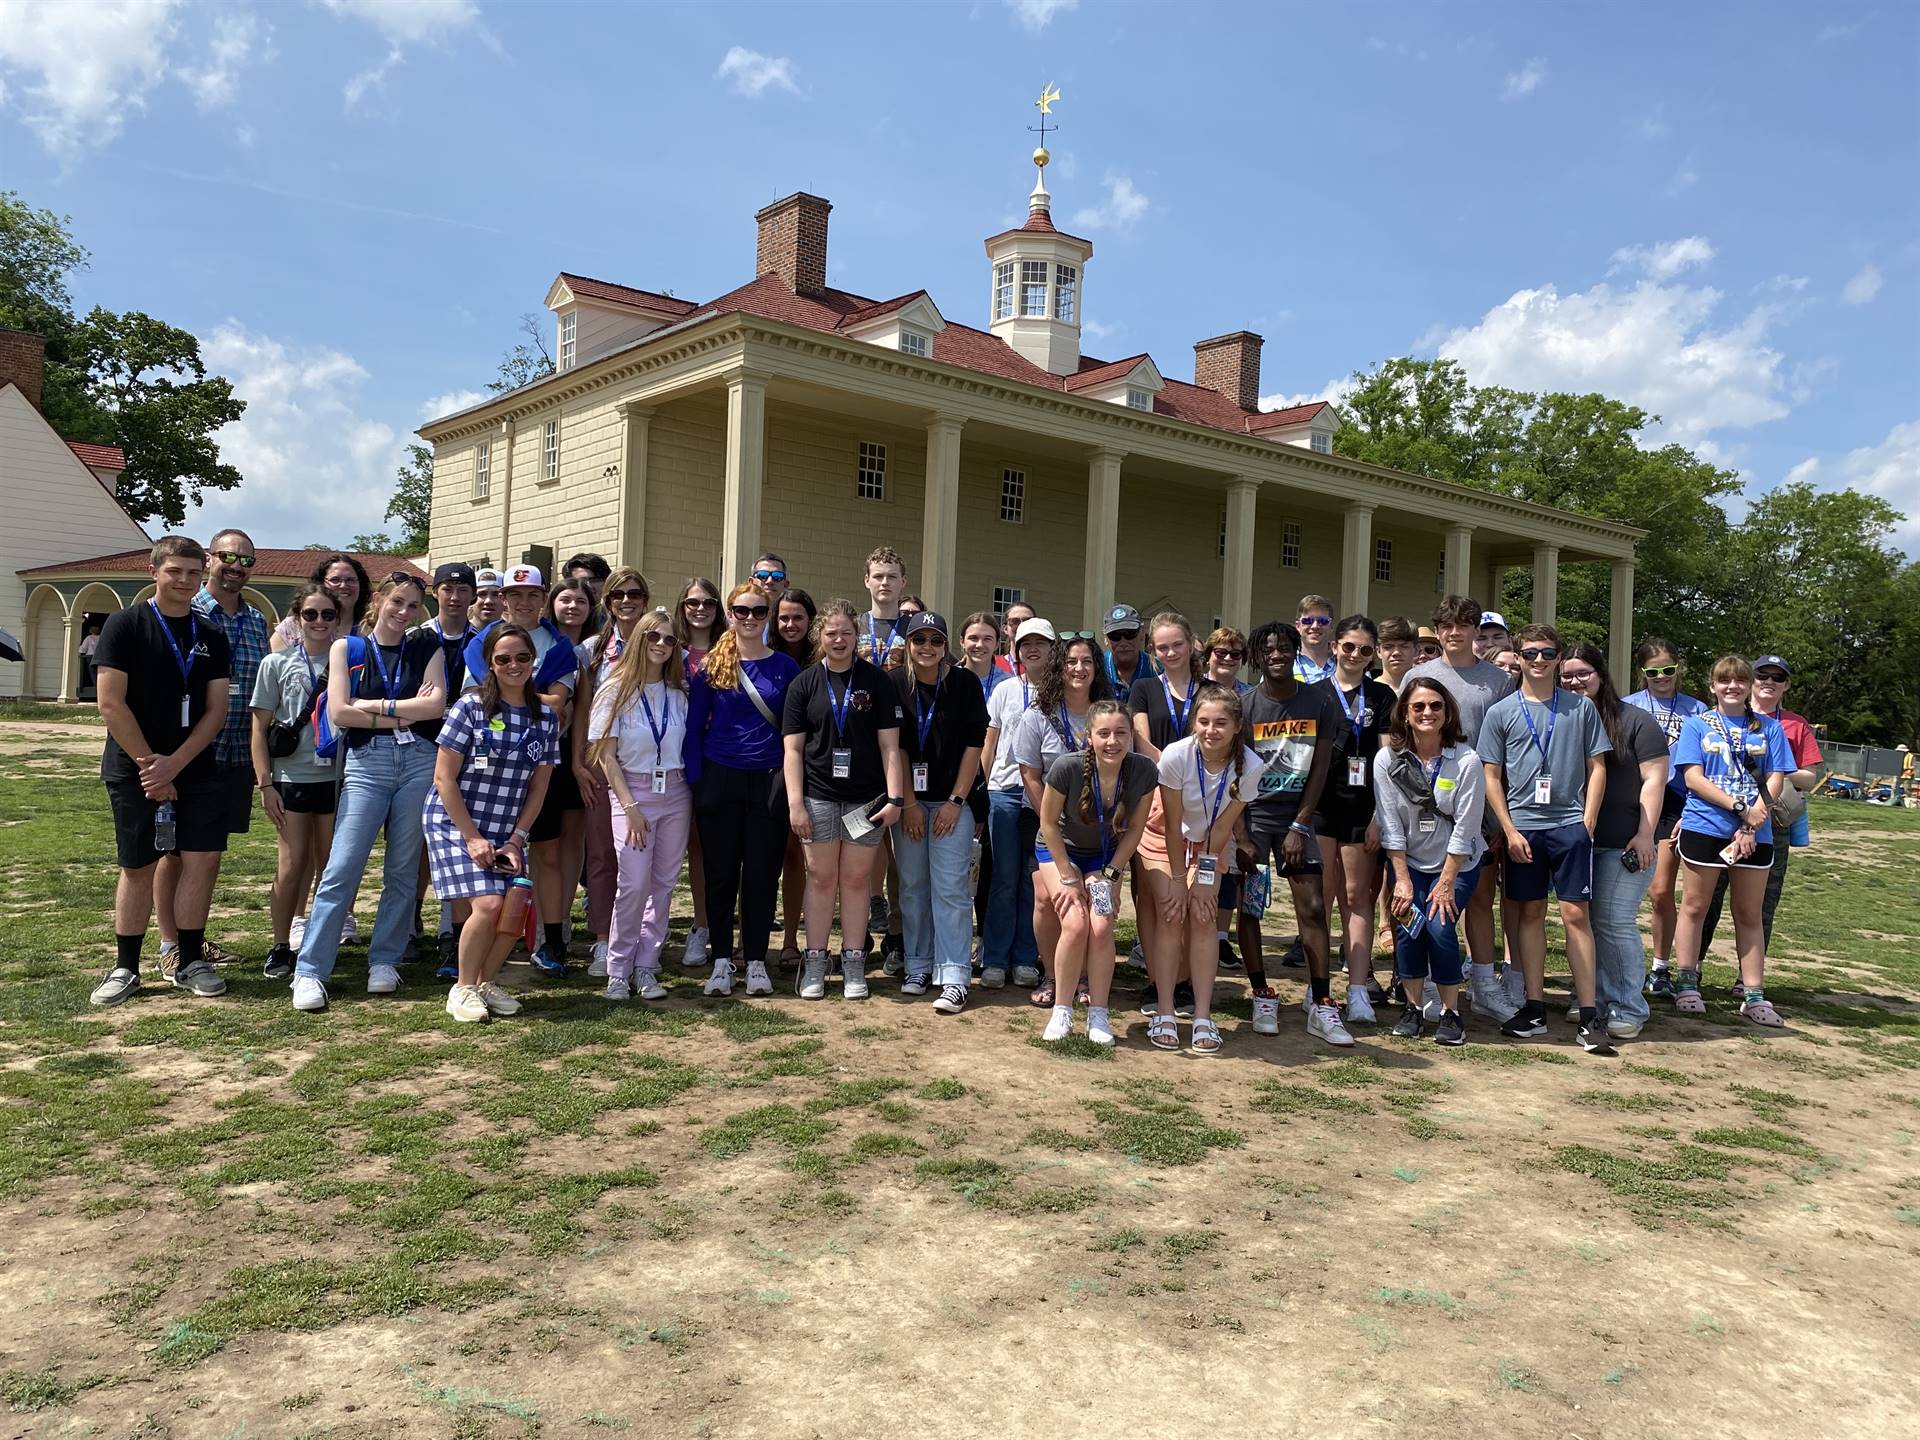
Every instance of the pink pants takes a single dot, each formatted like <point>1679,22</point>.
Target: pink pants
<point>603,871</point>
<point>647,876</point>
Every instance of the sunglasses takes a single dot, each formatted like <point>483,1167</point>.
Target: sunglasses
<point>749,612</point>
<point>1314,622</point>
<point>1772,677</point>
<point>636,595</point>
<point>1220,654</point>
<point>520,657</point>
<point>769,574</point>
<point>1429,650</point>
<point>699,602</point>
<point>1539,652</point>
<point>1360,650</point>
<point>927,638</point>
<point>662,637</point>
<point>233,557</point>
<point>1659,672</point>
<point>1425,707</point>
<point>311,615</point>
<point>1066,635</point>
<point>1123,634</point>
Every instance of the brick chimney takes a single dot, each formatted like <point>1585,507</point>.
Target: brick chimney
<point>23,360</point>
<point>793,242</point>
<point>1230,364</point>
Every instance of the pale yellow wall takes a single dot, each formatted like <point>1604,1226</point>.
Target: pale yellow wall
<point>1044,554</point>
<point>580,510</point>
<point>462,529</point>
<point>686,473</point>
<point>601,331</point>
<point>811,514</point>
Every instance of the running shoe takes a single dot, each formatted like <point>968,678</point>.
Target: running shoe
<point>1452,1030</point>
<point>893,956</point>
<point>1359,1007</point>
<point>1407,1027</point>
<point>1099,1025</point>
<point>646,984</point>
<point>696,956</point>
<point>597,968</point>
<point>1183,1000</point>
<point>449,947</point>
<point>1296,955</point>
<point>1489,997</point>
<point>279,962</point>
<point>1266,1014</point>
<point>309,994</point>
<point>1059,1024</point>
<point>497,1001</point>
<point>1660,983</point>
<point>199,979</point>
<point>465,1005</point>
<point>1228,960</point>
<point>853,975</point>
<point>1323,1023</point>
<point>1523,1024</point>
<point>1594,1038</point>
<point>720,982</point>
<point>382,980</point>
<point>758,981</point>
<point>550,962</point>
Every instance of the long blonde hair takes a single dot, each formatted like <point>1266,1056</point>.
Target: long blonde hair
<point>722,665</point>
<point>630,675</point>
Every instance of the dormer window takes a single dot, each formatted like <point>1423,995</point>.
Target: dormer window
<point>1033,287</point>
<point>569,328</point>
<point>1066,293</point>
<point>1322,443</point>
<point>914,342</point>
<point>1139,399</point>
<point>1003,290</point>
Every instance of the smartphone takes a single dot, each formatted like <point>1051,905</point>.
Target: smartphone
<point>503,863</point>
<point>1630,858</point>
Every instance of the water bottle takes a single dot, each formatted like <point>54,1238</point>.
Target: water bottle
<point>973,866</point>
<point>513,909</point>
<point>165,836</point>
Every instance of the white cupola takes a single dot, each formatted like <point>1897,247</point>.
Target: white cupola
<point>1038,284</point>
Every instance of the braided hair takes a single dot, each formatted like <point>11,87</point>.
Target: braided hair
<point>1089,771</point>
<point>1221,695</point>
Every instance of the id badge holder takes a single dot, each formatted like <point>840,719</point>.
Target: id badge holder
<point>857,824</point>
<point>843,764</point>
<point>1428,824</point>
<point>482,762</point>
<point>1100,894</point>
<point>1207,870</point>
<point>659,782</point>
<point>920,779</point>
<point>1543,790</point>
<point>186,710</point>
<point>1356,773</point>
<point>403,737</point>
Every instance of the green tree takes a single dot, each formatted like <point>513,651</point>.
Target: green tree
<point>412,503</point>
<point>526,362</point>
<point>378,543</point>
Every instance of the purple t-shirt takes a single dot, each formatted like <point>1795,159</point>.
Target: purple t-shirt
<point>725,726</point>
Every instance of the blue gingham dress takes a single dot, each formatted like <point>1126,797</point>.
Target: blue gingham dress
<point>499,760</point>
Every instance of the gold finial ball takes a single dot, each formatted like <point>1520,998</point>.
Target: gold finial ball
<point>1041,157</point>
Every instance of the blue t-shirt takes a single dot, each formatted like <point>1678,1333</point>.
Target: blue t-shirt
<point>1737,755</point>
<point>1670,718</point>
<point>556,661</point>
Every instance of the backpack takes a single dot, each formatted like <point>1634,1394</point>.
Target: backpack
<point>326,739</point>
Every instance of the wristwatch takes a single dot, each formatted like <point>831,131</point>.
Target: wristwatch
<point>959,800</point>
<point>1111,875</point>
<point>521,835</point>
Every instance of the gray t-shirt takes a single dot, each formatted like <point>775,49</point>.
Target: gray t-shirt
<point>1139,778</point>
<point>1041,739</point>
<point>1577,735</point>
<point>1474,689</point>
<point>286,683</point>
<point>1641,739</point>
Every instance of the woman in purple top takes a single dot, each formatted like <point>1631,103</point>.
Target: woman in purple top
<point>733,762</point>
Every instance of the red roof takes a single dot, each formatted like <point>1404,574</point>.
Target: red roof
<point>99,457</point>
<point>885,307</point>
<point>1092,373</point>
<point>274,564</point>
<point>584,288</point>
<point>1292,415</point>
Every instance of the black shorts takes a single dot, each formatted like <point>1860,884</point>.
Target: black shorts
<point>1346,825</point>
<point>199,819</point>
<point>1672,804</point>
<point>563,796</point>
<point>237,781</point>
<point>1696,847</point>
<point>314,797</point>
<point>1266,851</point>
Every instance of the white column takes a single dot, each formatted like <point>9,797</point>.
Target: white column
<point>1491,585</point>
<point>1546,583</point>
<point>505,470</point>
<point>1236,577</point>
<point>630,537</point>
<point>1459,562</point>
<point>1103,534</point>
<point>69,661</point>
<point>1356,557</point>
<point>746,476</point>
<point>940,522</point>
<point>1620,627</point>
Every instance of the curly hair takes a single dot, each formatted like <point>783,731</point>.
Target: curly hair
<point>1050,690</point>
<point>722,665</point>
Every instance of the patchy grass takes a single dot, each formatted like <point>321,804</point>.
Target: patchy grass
<point>1150,1126</point>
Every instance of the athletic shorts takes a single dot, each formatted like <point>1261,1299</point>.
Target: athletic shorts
<point>237,783</point>
<point>199,819</point>
<point>1696,847</point>
<point>1562,862</point>
<point>826,816</point>
<point>312,797</point>
<point>1672,803</point>
<point>1346,822</point>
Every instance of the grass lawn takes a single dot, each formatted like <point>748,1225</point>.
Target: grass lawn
<point>860,1219</point>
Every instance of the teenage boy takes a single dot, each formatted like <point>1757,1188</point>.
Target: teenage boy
<point>770,574</point>
<point>163,695</point>
<point>1544,749</point>
<point>1291,728</point>
<point>454,588</point>
<point>1475,686</point>
<point>882,638</point>
<point>588,569</point>
<point>1493,636</point>
<point>1011,619</point>
<point>1126,659</point>
<point>488,602</point>
<point>1313,622</point>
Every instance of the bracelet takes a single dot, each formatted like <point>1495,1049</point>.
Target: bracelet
<point>1298,828</point>
<point>521,835</point>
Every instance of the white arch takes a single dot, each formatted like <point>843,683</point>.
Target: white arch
<point>40,601</point>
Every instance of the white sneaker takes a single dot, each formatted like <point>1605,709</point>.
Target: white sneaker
<point>497,1001</point>
<point>297,933</point>
<point>853,974</point>
<point>308,993</point>
<point>646,984</point>
<point>1489,998</point>
<point>382,980</point>
<point>720,982</point>
<point>1099,1025</point>
<point>618,989</point>
<point>1323,1022</point>
<point>696,956</point>
<point>1137,956</point>
<point>1623,1029</point>
<point>1060,1025</point>
<point>350,930</point>
<point>1266,1014</point>
<point>465,1005</point>
<point>758,981</point>
<point>1430,1007</point>
<point>1359,1007</point>
<point>598,969</point>
<point>1573,1013</point>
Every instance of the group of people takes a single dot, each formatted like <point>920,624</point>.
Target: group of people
<point>922,784</point>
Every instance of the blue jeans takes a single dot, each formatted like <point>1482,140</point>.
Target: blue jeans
<point>1620,959</point>
<point>1007,938</point>
<point>936,910</point>
<point>386,786</point>
<point>1433,948</point>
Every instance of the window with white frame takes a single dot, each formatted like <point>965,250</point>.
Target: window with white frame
<point>1222,547</point>
<point>1003,290</point>
<point>1139,398</point>
<point>569,327</point>
<point>1005,597</point>
<point>482,470</point>
<point>1066,293</point>
<point>1033,287</point>
<point>1289,544</point>
<point>550,450</point>
<point>915,342</point>
<point>872,481</point>
<point>1321,442</point>
<point>1013,496</point>
<point>1383,560</point>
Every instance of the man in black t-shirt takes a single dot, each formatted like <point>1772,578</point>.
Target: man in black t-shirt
<point>163,693</point>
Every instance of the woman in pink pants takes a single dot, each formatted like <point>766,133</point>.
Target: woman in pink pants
<point>626,596</point>
<point>636,734</point>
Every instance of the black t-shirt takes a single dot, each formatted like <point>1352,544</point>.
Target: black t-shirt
<point>1148,697</point>
<point>405,664</point>
<point>872,705</point>
<point>135,641</point>
<point>1283,734</point>
<point>1375,704</point>
<point>453,655</point>
<point>1641,739</point>
<point>956,711</point>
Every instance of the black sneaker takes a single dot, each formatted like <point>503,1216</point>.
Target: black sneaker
<point>449,946</point>
<point>1407,1027</point>
<point>893,956</point>
<point>1296,956</point>
<point>1525,1025</point>
<point>1183,999</point>
<point>1452,1029</point>
<point>951,1001</point>
<point>1660,983</point>
<point>1594,1038</point>
<point>1228,960</point>
<point>550,962</point>
<point>279,962</point>
<point>199,979</point>
<point>1374,993</point>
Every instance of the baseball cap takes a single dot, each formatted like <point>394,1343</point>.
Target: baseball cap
<point>486,580</point>
<point>454,573</point>
<point>519,576</point>
<point>1035,626</point>
<point>927,620</point>
<point>1776,662</point>
<point>1494,617</point>
<point>1121,617</point>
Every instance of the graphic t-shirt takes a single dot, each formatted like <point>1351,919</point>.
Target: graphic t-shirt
<point>1737,755</point>
<point>1283,734</point>
<point>843,710</point>
<point>1670,716</point>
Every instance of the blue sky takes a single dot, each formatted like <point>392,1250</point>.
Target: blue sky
<point>1708,209</point>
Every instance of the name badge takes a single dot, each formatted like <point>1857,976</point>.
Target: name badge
<point>1356,772</point>
<point>920,779</point>
<point>1206,870</point>
<point>842,764</point>
<point>403,737</point>
<point>1428,824</point>
<point>1100,894</point>
<point>482,763</point>
<point>1543,790</point>
<point>185,711</point>
<point>659,782</point>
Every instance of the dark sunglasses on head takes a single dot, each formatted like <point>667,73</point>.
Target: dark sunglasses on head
<point>1539,652</point>
<point>326,615</point>
<point>749,612</point>
<point>234,557</point>
<point>639,595</point>
<point>1224,654</point>
<point>1659,672</point>
<point>769,574</point>
<point>1066,635</point>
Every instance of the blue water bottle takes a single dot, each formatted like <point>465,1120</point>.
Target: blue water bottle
<point>164,834</point>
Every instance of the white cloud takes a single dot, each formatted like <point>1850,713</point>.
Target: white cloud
<point>359,83</point>
<point>1805,470</point>
<point>1335,390</point>
<point>1098,331</point>
<point>1653,125</point>
<point>1839,32</point>
<point>315,466</point>
<point>83,68</point>
<point>1124,205</point>
<point>1663,262</point>
<point>1890,470</point>
<point>1524,81</point>
<point>408,22</point>
<point>753,74</point>
<point>1038,14</point>
<point>1862,287</point>
<point>239,39</point>
<point>450,403</point>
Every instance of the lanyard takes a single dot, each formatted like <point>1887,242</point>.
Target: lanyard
<point>1219,791</point>
<point>923,719</point>
<point>1356,713</point>
<point>1553,718</point>
<point>660,730</point>
<point>185,662</point>
<point>1736,739</point>
<point>1100,810</point>
<point>387,682</point>
<point>1433,775</point>
<point>1186,706</point>
<point>313,678</point>
<point>838,708</point>
<point>873,635</point>
<point>1065,723</point>
<point>1026,694</point>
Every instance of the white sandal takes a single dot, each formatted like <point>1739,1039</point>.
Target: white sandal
<point>1206,1036</point>
<point>1163,1032</point>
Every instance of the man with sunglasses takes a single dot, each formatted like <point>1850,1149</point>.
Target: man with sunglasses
<point>1127,659</point>
<point>1314,622</point>
<point>770,574</point>
<point>1011,619</point>
<point>1545,751</point>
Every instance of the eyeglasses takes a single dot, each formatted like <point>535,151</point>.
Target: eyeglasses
<point>699,602</point>
<point>1539,652</point>
<point>1220,654</point>
<point>769,574</point>
<point>662,637</point>
<point>311,615</point>
<point>234,557</point>
<point>639,596</point>
<point>749,612</point>
<point>1314,622</point>
<point>1362,651</point>
<point>1428,651</point>
<point>1123,634</point>
<point>1424,707</point>
<point>1772,677</point>
<point>1575,677</point>
<point>1659,672</point>
<point>518,658</point>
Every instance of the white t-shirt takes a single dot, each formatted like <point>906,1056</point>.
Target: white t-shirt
<point>1201,799</point>
<point>1005,707</point>
<point>636,749</point>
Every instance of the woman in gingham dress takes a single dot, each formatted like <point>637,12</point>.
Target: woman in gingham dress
<point>497,750</point>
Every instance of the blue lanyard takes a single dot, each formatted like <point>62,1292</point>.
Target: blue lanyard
<point>1186,706</point>
<point>660,730</point>
<point>1357,713</point>
<point>1219,791</point>
<point>1064,722</point>
<point>838,708</point>
<point>185,662</point>
<point>1026,694</point>
<point>1553,718</point>
<point>923,719</point>
<point>873,636</point>
<point>1100,810</point>
<point>387,682</point>
<point>1433,775</point>
<point>1736,739</point>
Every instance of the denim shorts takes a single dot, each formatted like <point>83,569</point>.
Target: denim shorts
<point>826,817</point>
